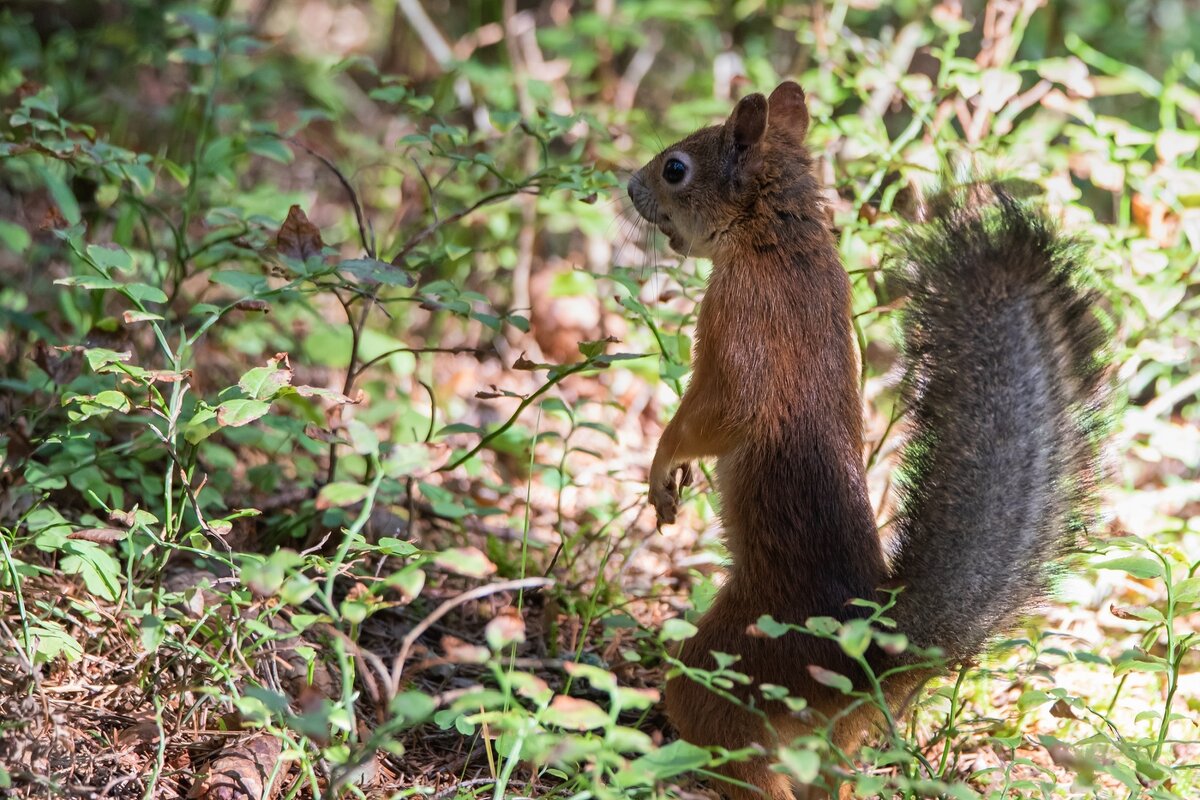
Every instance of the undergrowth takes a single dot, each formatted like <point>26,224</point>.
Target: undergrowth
<point>331,372</point>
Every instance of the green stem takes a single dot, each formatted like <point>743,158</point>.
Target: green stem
<point>489,437</point>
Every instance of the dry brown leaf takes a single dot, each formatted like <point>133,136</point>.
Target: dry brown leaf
<point>524,363</point>
<point>241,771</point>
<point>99,535</point>
<point>298,238</point>
<point>62,369</point>
<point>53,220</point>
<point>507,628</point>
<point>1156,218</point>
<point>139,734</point>
<point>1062,709</point>
<point>459,652</point>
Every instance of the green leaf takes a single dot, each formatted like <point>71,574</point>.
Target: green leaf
<point>1187,590</point>
<point>388,94</point>
<point>64,198</point>
<point>412,707</point>
<point>459,427</point>
<point>1032,699</point>
<point>468,561</point>
<point>14,236</point>
<point>48,640</point>
<point>1139,662</point>
<point>98,405</point>
<point>409,582</point>
<point>341,494</point>
<point>593,349</point>
<point>1136,566</point>
<point>97,567</point>
<point>406,460</point>
<point>177,172</point>
<point>263,383</point>
<point>600,679</point>
<point>192,55</point>
<point>354,611</point>
<point>575,714</point>
<point>154,632</point>
<point>89,282</point>
<point>242,281</point>
<point>772,628</point>
<point>202,425</point>
<point>504,120</point>
<point>677,629</point>
<point>803,765</point>
<point>855,637</point>
<point>621,739</point>
<point>144,292</point>
<point>371,269</point>
<point>272,148</point>
<point>296,590</point>
<point>666,762</point>
<point>239,412</point>
<point>100,359</point>
<point>389,545</point>
<point>109,257</point>
<point>363,438</point>
<point>827,677</point>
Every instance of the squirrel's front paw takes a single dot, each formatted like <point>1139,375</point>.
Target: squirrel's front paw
<point>664,493</point>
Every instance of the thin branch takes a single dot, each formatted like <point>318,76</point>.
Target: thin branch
<point>448,606</point>
<point>355,335</point>
<point>368,364</point>
<point>503,194</point>
<point>574,368</point>
<point>365,233</point>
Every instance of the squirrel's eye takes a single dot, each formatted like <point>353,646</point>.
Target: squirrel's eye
<point>674,170</point>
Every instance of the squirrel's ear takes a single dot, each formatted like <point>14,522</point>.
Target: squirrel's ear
<point>788,109</point>
<point>748,120</point>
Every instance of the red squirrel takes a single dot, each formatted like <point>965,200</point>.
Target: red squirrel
<point>1003,391</point>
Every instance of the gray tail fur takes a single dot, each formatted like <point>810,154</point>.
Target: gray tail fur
<point>1005,358</point>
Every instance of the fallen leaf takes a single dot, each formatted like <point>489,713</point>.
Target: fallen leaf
<point>241,771</point>
<point>507,628</point>
<point>460,652</point>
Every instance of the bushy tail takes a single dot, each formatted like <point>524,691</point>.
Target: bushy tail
<point>1004,352</point>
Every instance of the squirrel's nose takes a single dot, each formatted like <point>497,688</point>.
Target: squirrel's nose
<point>638,194</point>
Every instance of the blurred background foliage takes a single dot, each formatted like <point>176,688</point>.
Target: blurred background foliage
<point>329,340</point>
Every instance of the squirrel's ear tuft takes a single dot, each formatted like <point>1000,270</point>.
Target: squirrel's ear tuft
<point>748,120</point>
<point>788,109</point>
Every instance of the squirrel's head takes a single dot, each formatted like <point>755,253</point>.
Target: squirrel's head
<point>704,191</point>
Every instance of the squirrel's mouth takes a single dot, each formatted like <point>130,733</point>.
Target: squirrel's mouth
<point>664,224</point>
<point>676,241</point>
<point>649,210</point>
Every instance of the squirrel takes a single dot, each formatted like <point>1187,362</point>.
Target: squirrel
<point>1002,349</point>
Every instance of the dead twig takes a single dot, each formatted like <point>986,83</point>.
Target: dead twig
<point>448,606</point>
